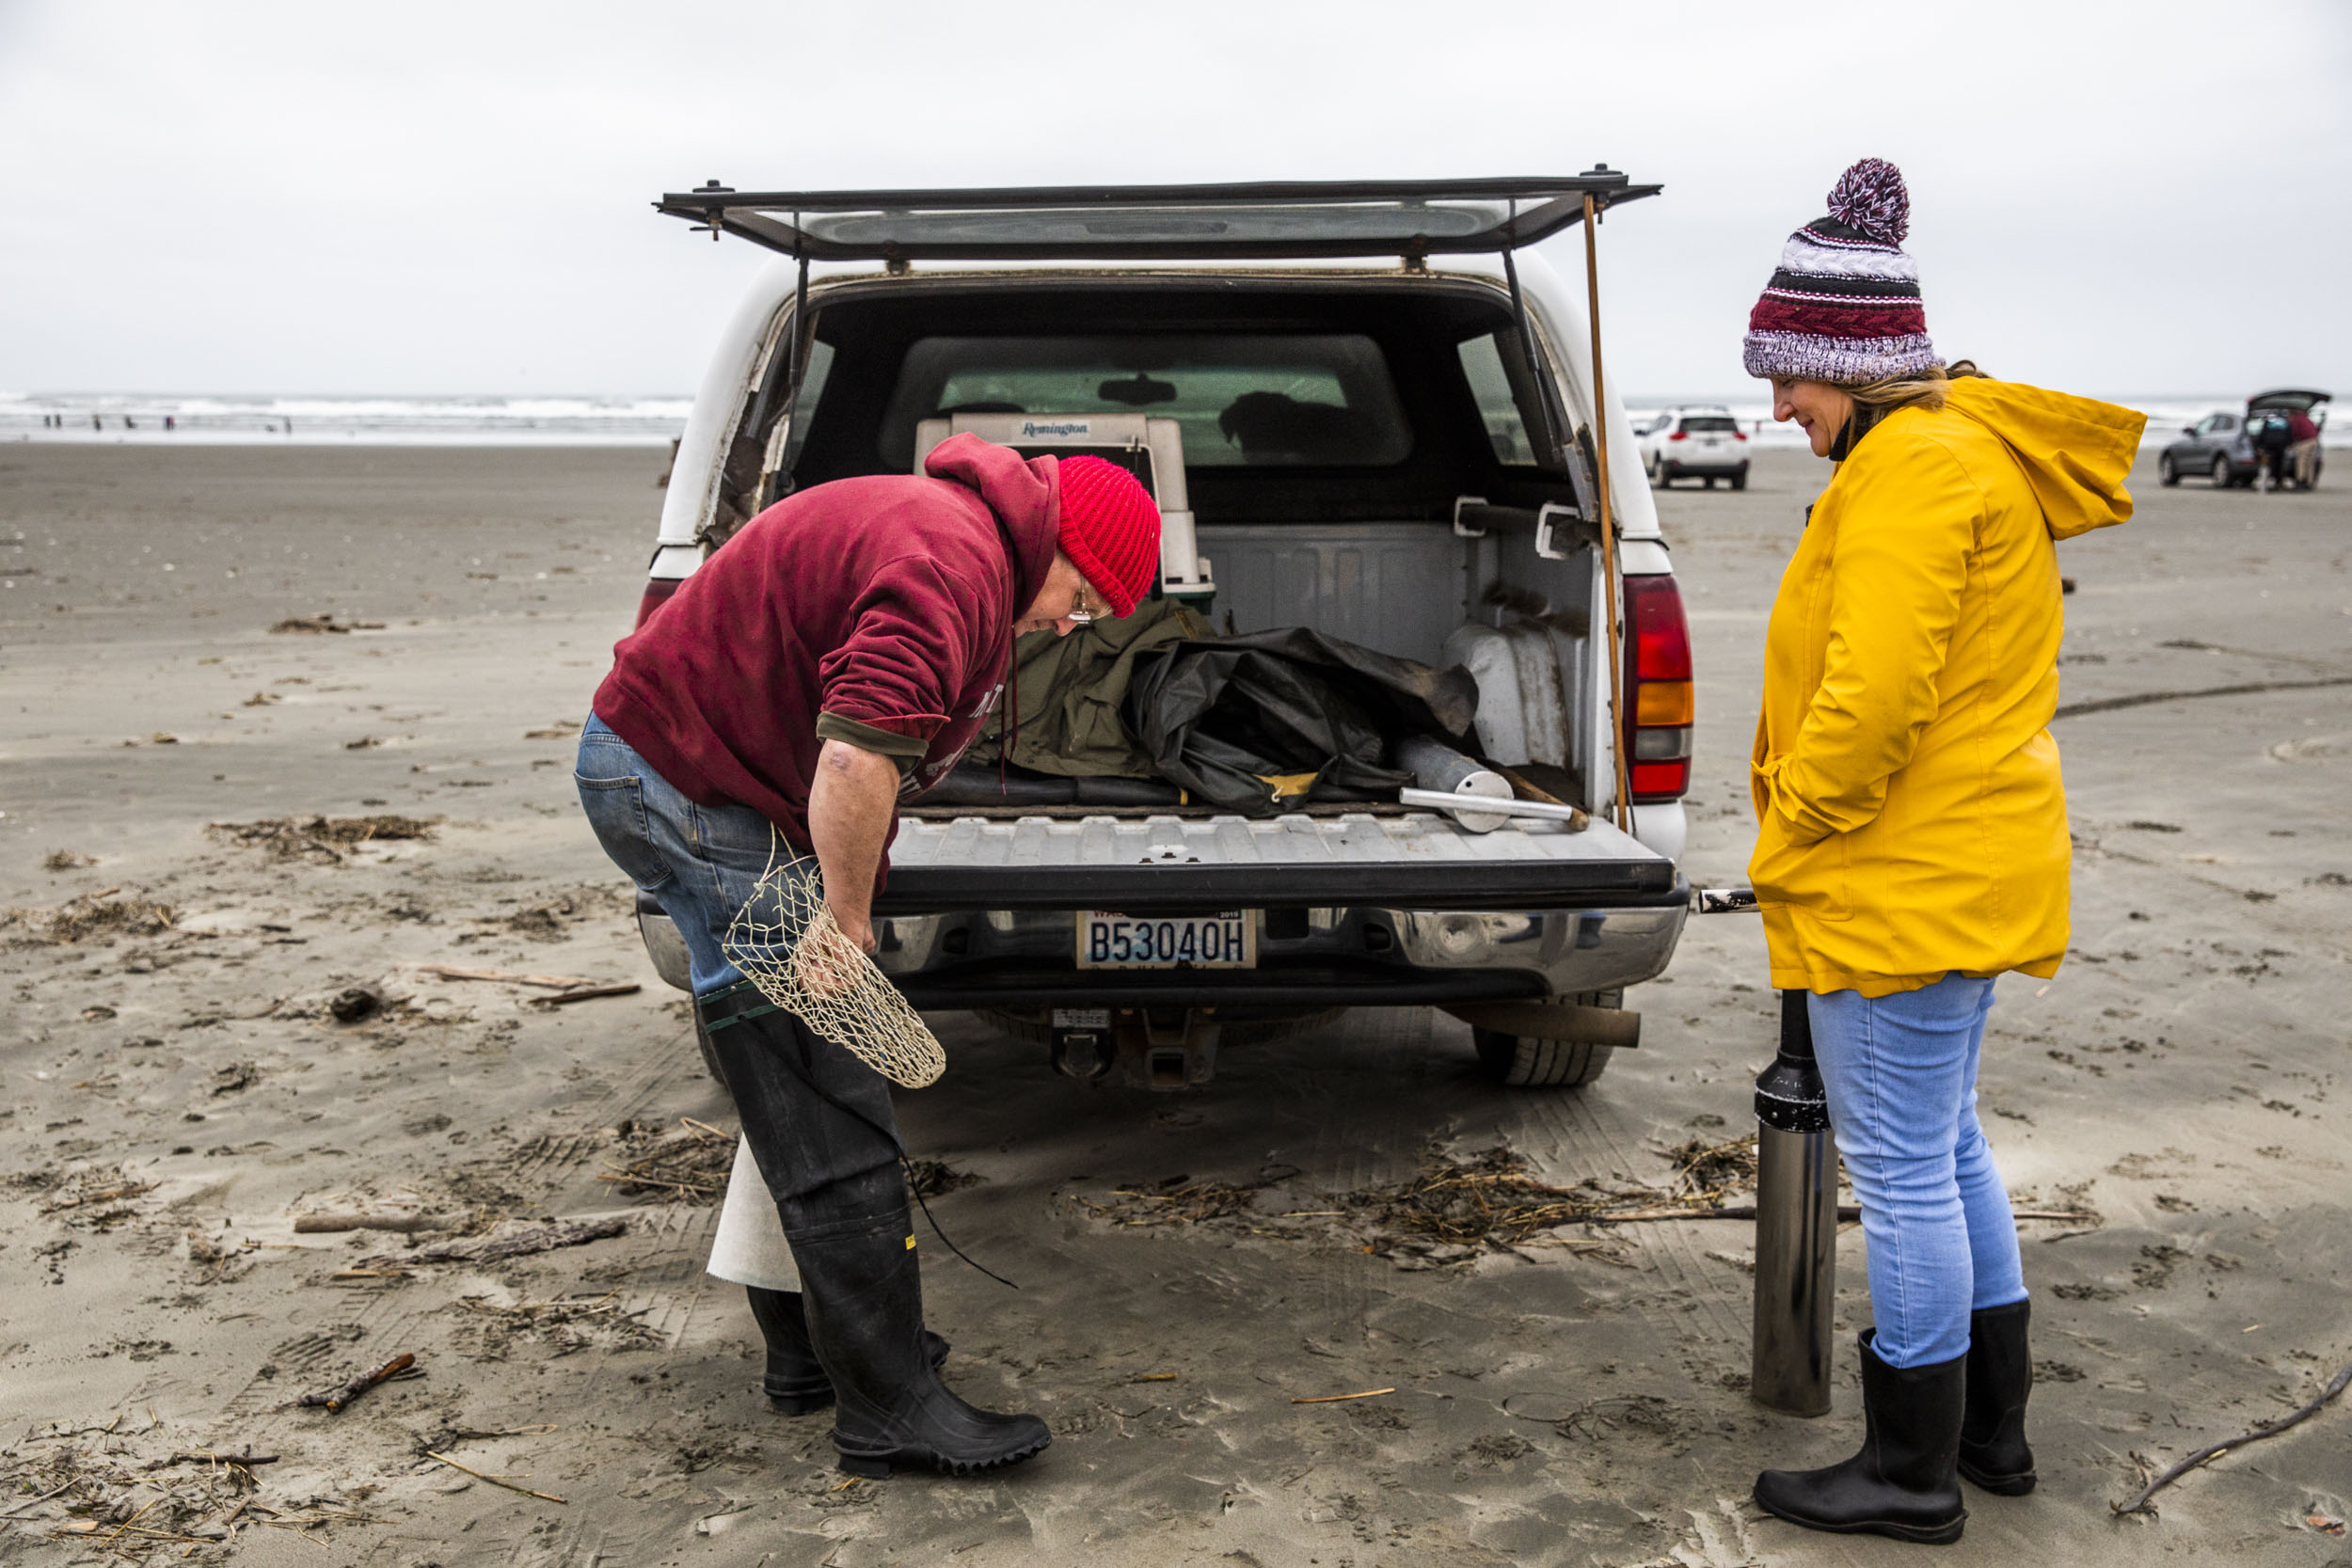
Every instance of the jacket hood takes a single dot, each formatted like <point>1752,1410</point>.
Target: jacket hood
<point>2075,453</point>
<point>1025,492</point>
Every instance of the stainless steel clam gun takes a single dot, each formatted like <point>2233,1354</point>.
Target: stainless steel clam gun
<point>1796,1206</point>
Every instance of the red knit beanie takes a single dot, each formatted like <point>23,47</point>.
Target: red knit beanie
<point>1110,528</point>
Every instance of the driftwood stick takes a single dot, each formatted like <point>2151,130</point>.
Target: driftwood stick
<point>1334,1398</point>
<point>494,1480</point>
<point>18,1511</point>
<point>505,977</point>
<point>327,1225</point>
<point>245,1460</point>
<point>335,1399</point>
<point>2212,1451</point>
<point>588,993</point>
<point>520,1244</point>
<point>659,1181</point>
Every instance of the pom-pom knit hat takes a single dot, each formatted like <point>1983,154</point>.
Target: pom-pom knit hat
<point>1844,308</point>
<point>1110,530</point>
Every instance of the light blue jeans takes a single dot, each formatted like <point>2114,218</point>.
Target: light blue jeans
<point>1901,1075</point>
<point>700,863</point>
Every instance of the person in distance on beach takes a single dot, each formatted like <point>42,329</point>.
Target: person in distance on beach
<point>839,652</point>
<point>1912,836</point>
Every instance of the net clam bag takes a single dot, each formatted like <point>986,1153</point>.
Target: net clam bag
<point>788,945</point>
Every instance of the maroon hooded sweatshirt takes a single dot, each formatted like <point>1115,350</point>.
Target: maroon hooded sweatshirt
<point>876,611</point>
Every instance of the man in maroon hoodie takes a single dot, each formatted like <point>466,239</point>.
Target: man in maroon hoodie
<point>839,652</point>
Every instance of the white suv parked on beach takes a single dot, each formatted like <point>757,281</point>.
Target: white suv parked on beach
<point>1355,418</point>
<point>1699,442</point>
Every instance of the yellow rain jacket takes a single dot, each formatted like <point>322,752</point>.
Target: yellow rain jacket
<point>1913,821</point>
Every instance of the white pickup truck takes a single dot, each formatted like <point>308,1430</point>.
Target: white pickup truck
<point>1361,412</point>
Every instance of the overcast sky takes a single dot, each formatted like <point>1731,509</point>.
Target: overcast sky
<point>427,198</point>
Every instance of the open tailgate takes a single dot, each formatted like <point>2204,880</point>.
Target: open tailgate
<point>1171,865</point>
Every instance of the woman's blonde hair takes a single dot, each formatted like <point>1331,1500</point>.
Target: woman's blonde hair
<point>1924,391</point>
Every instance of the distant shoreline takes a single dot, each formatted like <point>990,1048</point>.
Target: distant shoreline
<point>122,419</point>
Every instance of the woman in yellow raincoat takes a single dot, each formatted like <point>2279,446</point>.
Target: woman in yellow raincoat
<point>1911,839</point>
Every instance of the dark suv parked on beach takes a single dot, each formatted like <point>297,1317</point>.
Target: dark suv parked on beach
<point>1357,415</point>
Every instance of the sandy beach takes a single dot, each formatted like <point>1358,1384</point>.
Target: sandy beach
<point>214,1030</point>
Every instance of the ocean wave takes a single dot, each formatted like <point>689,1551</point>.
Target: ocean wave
<point>218,417</point>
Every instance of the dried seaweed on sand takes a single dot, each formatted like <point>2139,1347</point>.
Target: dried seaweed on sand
<point>139,1493</point>
<point>1714,1171</point>
<point>690,1165</point>
<point>321,838</point>
<point>92,915</point>
<point>1450,1213</point>
<point>561,1326</point>
<point>931,1177</point>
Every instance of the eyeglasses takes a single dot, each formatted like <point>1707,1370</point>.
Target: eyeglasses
<point>1081,613</point>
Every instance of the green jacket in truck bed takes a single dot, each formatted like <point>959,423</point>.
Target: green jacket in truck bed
<point>1070,688</point>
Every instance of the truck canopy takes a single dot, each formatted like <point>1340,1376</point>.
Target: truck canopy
<point>1265,220</point>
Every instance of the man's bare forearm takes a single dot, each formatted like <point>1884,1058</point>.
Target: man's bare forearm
<point>849,808</point>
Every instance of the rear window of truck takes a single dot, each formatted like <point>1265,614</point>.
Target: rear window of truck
<point>1710,424</point>
<point>1244,400</point>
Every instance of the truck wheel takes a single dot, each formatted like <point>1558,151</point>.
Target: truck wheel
<point>1522,1062</point>
<point>1740,479</point>
<point>2166,472</point>
<point>2221,476</point>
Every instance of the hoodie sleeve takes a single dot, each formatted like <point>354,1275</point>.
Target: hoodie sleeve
<point>909,649</point>
<point>1900,565</point>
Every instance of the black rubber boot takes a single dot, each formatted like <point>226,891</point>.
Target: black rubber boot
<point>1905,1482</point>
<point>1993,1448</point>
<point>863,1291</point>
<point>795,1383</point>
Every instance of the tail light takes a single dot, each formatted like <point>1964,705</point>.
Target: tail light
<point>1659,704</point>
<point>1739,434</point>
<point>658,591</point>
<point>1679,436</point>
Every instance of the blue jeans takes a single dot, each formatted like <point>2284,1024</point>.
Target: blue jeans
<point>1901,1075</point>
<point>700,863</point>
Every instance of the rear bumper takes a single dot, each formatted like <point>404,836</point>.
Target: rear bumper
<point>1349,910</point>
<point>1707,468</point>
<point>1364,957</point>
<point>1358,956</point>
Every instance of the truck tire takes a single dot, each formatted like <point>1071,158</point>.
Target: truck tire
<point>1243,1027</point>
<point>1520,1062</point>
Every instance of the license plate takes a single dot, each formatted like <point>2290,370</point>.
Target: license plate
<point>1107,940</point>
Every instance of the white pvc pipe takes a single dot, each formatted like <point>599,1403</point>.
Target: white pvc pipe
<point>1483,805</point>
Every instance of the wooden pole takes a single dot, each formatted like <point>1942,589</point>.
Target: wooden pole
<point>1612,585</point>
